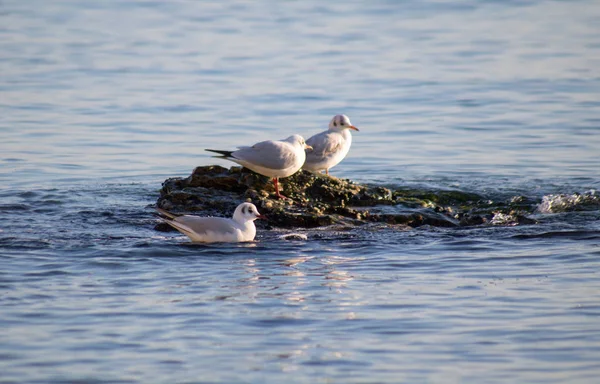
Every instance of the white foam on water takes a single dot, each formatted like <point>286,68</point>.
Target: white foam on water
<point>504,219</point>
<point>564,203</point>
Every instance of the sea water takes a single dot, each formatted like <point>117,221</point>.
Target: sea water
<point>102,101</point>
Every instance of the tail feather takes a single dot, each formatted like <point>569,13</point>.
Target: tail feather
<point>224,154</point>
<point>169,218</point>
<point>167,214</point>
<point>184,229</point>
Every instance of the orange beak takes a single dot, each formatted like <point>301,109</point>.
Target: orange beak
<point>353,127</point>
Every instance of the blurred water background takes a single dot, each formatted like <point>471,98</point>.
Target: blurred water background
<point>101,101</point>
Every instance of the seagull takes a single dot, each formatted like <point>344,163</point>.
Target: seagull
<point>216,229</point>
<point>271,158</point>
<point>331,146</point>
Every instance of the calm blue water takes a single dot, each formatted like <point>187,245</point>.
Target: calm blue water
<point>101,101</point>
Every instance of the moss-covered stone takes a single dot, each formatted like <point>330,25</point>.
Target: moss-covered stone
<point>317,200</point>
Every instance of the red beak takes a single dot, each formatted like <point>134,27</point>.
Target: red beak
<point>353,127</point>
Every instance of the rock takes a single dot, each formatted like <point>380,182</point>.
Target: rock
<point>294,236</point>
<point>317,200</point>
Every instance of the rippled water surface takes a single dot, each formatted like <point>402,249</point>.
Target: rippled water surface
<point>101,101</point>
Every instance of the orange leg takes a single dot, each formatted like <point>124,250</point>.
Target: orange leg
<point>279,195</point>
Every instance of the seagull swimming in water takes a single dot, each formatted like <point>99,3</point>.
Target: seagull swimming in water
<point>331,146</point>
<point>216,229</point>
<point>271,158</point>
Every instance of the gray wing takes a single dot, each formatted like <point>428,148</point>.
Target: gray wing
<point>201,225</point>
<point>324,144</point>
<point>267,154</point>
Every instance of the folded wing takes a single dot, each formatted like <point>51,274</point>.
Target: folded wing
<point>324,144</point>
<point>203,225</point>
<point>268,154</point>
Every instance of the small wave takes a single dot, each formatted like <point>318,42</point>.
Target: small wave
<point>13,242</point>
<point>588,201</point>
<point>14,207</point>
<point>571,235</point>
<point>294,236</point>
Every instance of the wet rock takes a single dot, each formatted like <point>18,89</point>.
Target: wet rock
<point>467,219</point>
<point>317,200</point>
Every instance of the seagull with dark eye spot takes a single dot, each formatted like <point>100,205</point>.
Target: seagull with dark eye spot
<point>216,229</point>
<point>331,146</point>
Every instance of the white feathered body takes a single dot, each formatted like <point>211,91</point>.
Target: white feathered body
<point>272,158</point>
<point>199,229</point>
<point>214,229</point>
<point>329,149</point>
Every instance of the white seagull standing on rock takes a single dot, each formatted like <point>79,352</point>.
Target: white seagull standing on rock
<point>216,229</point>
<point>271,158</point>
<point>331,146</point>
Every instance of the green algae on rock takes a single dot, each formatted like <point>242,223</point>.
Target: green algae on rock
<point>317,200</point>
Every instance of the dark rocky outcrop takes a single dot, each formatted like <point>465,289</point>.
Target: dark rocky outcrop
<point>320,201</point>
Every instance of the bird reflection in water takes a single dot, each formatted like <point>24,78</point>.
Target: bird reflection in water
<point>292,278</point>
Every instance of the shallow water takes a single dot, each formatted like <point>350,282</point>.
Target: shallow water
<point>101,102</point>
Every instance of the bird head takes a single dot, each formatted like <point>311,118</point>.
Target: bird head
<point>246,212</point>
<point>341,122</point>
<point>299,140</point>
